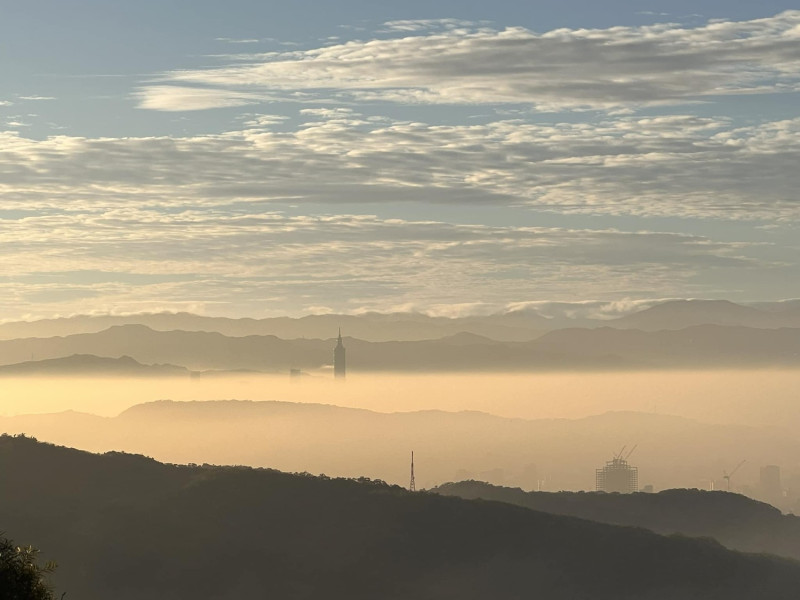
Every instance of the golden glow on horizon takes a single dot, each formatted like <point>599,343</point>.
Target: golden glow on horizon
<point>716,396</point>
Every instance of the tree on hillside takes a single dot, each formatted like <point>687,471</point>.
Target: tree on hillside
<point>21,577</point>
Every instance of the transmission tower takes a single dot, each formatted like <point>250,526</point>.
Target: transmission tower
<point>412,486</point>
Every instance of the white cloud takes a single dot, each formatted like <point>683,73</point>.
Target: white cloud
<point>237,41</point>
<point>257,121</point>
<point>417,25</point>
<point>586,309</point>
<point>173,98</point>
<point>564,68</point>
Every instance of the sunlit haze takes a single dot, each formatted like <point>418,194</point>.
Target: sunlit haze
<point>757,397</point>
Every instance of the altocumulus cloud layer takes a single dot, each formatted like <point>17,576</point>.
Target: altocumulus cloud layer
<point>674,165</point>
<point>128,258</point>
<point>458,63</point>
<point>201,221</point>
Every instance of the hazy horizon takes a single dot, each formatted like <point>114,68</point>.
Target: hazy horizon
<point>755,396</point>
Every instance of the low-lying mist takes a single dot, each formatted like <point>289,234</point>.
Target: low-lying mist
<point>755,397</point>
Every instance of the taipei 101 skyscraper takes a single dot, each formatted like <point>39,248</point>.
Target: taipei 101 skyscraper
<point>339,368</point>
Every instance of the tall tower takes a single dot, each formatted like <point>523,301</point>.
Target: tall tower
<point>339,368</point>
<point>412,486</point>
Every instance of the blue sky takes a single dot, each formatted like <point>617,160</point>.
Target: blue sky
<point>259,158</point>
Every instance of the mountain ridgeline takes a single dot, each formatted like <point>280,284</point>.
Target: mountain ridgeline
<point>89,364</point>
<point>127,527</point>
<point>734,520</point>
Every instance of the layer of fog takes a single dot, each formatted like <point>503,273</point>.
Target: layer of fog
<point>754,397</point>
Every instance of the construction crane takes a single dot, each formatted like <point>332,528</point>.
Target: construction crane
<point>621,454</point>
<point>628,455</point>
<point>727,476</point>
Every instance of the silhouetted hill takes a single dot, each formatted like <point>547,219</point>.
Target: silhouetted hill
<point>127,527</point>
<point>673,451</point>
<point>465,338</point>
<point>787,308</point>
<point>88,364</point>
<point>700,346</point>
<point>734,520</point>
<point>193,349</point>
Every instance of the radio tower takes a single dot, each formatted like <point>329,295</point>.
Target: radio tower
<point>412,486</point>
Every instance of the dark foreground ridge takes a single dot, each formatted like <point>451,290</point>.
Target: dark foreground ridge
<point>124,527</point>
<point>734,520</point>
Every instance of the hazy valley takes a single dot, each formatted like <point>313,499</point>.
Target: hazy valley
<point>549,454</point>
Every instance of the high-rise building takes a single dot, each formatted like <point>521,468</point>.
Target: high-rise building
<point>339,367</point>
<point>770,480</point>
<point>617,476</point>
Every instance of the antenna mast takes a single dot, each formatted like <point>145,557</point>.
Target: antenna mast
<point>412,486</point>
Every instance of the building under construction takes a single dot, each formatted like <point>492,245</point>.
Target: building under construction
<point>618,475</point>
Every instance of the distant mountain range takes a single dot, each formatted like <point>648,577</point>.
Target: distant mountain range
<point>127,527</point>
<point>513,326</point>
<point>319,438</point>
<point>678,314</point>
<point>701,346</point>
<point>734,520</point>
<point>370,326</point>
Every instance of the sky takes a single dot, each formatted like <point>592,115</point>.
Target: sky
<point>258,158</point>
